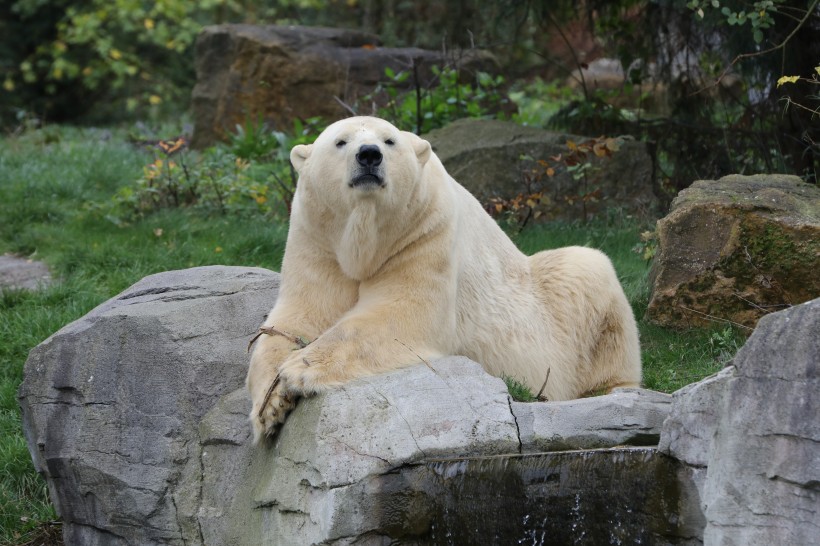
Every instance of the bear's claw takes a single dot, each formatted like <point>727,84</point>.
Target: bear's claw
<point>271,413</point>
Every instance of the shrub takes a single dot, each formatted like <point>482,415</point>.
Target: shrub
<point>250,175</point>
<point>64,57</point>
<point>424,108</point>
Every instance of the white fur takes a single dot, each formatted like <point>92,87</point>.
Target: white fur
<point>379,278</point>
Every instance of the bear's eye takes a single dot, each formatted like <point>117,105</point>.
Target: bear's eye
<point>389,142</point>
<point>340,144</point>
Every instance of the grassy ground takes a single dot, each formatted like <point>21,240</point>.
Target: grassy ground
<point>48,178</point>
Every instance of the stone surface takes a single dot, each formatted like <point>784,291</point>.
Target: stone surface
<point>18,272</point>
<point>625,417</point>
<point>112,403</point>
<point>490,157</point>
<point>763,478</point>
<point>600,496</point>
<point>690,426</point>
<point>136,414</point>
<point>736,249</point>
<point>749,436</point>
<point>277,74</point>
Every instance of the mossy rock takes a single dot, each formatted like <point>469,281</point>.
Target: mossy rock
<point>736,249</point>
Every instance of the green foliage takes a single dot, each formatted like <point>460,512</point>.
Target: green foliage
<point>135,52</point>
<point>252,175</point>
<point>424,108</point>
<point>538,101</point>
<point>518,391</point>
<point>760,14</point>
<point>576,162</point>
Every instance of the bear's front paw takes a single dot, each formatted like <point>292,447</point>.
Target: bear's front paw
<point>269,411</point>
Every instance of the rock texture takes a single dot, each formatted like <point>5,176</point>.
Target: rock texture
<point>113,403</point>
<point>136,414</point>
<point>625,417</point>
<point>750,436</point>
<point>21,273</point>
<point>490,159</point>
<point>277,74</point>
<point>736,249</point>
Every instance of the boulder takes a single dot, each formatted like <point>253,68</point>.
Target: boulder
<point>749,436</point>
<point>736,249</point>
<point>112,404</point>
<point>491,158</point>
<point>136,415</point>
<point>277,74</point>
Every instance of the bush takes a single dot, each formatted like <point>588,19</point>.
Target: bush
<point>250,175</point>
<point>62,58</point>
<point>423,109</point>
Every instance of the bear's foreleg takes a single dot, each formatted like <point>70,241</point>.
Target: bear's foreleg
<point>404,315</point>
<point>313,295</point>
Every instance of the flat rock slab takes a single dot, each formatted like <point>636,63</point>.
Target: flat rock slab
<point>18,272</point>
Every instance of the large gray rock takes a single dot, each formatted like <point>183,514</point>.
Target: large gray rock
<point>112,402</point>
<point>136,414</point>
<point>763,479</point>
<point>278,74</point>
<point>491,159</point>
<point>749,436</point>
<point>736,249</point>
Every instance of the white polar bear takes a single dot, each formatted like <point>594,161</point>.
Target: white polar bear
<point>389,261</point>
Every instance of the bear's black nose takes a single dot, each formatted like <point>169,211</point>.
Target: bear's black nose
<point>369,155</point>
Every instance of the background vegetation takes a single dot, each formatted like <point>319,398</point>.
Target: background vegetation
<point>713,87</point>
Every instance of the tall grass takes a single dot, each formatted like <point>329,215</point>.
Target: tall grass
<point>47,179</point>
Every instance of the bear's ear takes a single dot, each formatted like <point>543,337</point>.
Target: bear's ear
<point>299,154</point>
<point>420,146</point>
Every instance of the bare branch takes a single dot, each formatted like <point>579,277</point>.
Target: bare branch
<point>541,391</point>
<point>715,319</point>
<point>272,331</point>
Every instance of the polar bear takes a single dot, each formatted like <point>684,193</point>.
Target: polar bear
<point>390,262</point>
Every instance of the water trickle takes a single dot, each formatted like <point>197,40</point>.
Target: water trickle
<point>592,497</point>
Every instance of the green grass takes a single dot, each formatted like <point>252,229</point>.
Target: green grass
<point>47,179</point>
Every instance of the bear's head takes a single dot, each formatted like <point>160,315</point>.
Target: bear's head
<point>362,158</point>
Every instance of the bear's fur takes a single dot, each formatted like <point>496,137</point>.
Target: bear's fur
<point>389,261</point>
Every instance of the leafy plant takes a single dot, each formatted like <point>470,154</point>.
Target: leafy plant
<point>518,390</point>
<point>272,150</point>
<point>525,206</point>
<point>251,175</point>
<point>537,101</point>
<point>425,108</point>
<point>758,14</point>
<point>724,344</point>
<point>648,246</point>
<point>128,50</point>
<point>814,80</point>
<point>214,180</point>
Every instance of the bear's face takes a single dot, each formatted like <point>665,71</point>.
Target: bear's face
<point>362,158</point>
